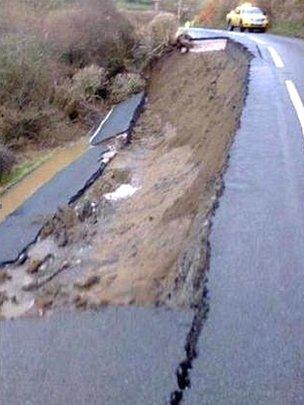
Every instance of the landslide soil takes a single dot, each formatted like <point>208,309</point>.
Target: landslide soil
<point>152,247</point>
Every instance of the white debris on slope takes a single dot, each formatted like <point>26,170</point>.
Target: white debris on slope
<point>123,191</point>
<point>108,156</point>
<point>117,144</point>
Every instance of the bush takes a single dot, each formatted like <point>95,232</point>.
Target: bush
<point>90,31</point>
<point>154,38</point>
<point>25,76</point>
<point>139,19</point>
<point>17,124</point>
<point>162,29</point>
<point>88,81</point>
<point>85,85</point>
<point>7,161</point>
<point>124,85</point>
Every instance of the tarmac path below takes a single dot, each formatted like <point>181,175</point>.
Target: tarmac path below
<point>252,345</point>
<point>20,229</point>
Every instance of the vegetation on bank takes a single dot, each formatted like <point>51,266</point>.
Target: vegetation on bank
<point>289,28</point>
<point>9,179</point>
<point>62,62</point>
<point>138,5</point>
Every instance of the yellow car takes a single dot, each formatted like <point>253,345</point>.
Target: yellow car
<point>248,17</point>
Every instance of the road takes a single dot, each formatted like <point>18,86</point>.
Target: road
<point>252,344</point>
<point>116,356</point>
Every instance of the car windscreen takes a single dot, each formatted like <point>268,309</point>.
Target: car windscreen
<point>253,10</point>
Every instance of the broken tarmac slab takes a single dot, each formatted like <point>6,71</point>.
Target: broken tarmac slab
<point>200,34</point>
<point>120,120</point>
<point>115,356</point>
<point>213,45</point>
<point>20,229</point>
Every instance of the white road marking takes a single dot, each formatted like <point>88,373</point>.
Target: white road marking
<point>276,57</point>
<point>257,40</point>
<point>296,101</point>
<point>240,34</point>
<point>101,125</point>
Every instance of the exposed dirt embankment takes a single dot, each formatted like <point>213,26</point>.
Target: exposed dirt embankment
<point>150,247</point>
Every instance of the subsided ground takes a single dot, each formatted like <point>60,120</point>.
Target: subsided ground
<point>150,248</point>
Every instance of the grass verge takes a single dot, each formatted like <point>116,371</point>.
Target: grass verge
<point>20,171</point>
<point>289,28</point>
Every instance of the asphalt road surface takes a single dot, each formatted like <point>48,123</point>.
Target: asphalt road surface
<point>116,356</point>
<point>120,119</point>
<point>252,345</point>
<point>251,348</point>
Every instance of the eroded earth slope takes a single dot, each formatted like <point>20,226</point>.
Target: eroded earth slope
<point>140,234</point>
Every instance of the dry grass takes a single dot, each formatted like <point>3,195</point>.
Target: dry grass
<point>90,31</point>
<point>124,85</point>
<point>7,161</point>
<point>65,59</point>
<point>57,60</point>
<point>139,19</point>
<point>154,37</point>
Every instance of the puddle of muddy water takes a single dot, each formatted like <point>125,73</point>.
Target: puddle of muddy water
<point>59,159</point>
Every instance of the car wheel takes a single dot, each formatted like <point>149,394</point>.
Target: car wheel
<point>242,29</point>
<point>230,27</point>
<point>263,30</point>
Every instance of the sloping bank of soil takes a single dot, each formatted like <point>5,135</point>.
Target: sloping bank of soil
<point>150,248</point>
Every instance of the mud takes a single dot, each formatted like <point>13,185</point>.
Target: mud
<point>58,160</point>
<point>149,247</point>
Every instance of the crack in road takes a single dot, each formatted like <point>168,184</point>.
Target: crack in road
<point>202,309</point>
<point>201,312</point>
<point>191,349</point>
